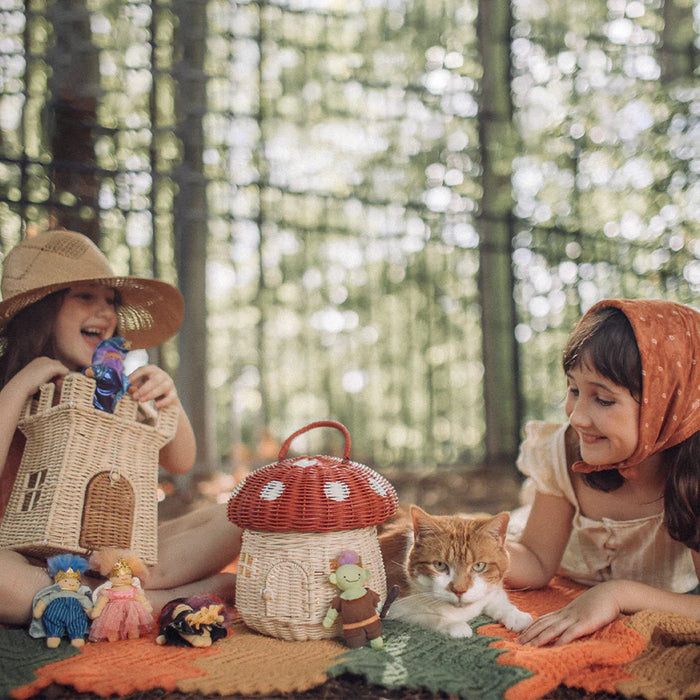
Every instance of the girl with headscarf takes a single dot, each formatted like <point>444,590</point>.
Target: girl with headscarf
<point>616,502</point>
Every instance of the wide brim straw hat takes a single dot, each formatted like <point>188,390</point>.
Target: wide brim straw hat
<point>149,311</point>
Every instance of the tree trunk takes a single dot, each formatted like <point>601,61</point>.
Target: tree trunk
<point>678,55</point>
<point>72,115</point>
<point>501,395</point>
<point>191,226</point>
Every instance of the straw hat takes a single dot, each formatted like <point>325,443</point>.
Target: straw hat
<point>150,311</point>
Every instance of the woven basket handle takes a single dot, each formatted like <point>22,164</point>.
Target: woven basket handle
<point>318,424</point>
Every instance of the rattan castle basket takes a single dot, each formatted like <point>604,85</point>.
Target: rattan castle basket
<point>88,479</point>
<point>298,515</point>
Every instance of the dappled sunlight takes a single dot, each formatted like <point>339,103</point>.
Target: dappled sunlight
<point>355,168</point>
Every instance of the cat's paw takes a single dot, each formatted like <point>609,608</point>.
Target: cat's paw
<point>517,620</point>
<point>460,631</point>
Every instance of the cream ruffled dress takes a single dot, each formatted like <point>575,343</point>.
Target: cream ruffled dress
<point>599,550</point>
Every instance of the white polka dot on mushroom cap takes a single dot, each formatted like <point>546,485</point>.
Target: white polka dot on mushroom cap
<point>272,490</point>
<point>237,488</point>
<point>378,486</point>
<point>336,491</point>
<point>305,462</point>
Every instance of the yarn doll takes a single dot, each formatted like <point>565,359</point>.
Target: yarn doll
<point>192,622</point>
<point>121,609</point>
<point>356,604</point>
<point>61,609</point>
<point>107,369</point>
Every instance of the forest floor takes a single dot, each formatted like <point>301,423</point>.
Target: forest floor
<point>483,489</point>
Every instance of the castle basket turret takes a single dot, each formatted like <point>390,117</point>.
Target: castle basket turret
<point>88,479</point>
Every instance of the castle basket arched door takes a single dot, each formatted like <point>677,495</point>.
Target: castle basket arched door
<point>108,512</point>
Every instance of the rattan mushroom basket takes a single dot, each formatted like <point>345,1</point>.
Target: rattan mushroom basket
<point>297,516</point>
<point>88,479</point>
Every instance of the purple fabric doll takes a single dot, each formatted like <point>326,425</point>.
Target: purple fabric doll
<point>107,371</point>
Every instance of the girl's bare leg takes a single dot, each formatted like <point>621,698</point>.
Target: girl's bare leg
<point>193,550</point>
<point>193,518</point>
<point>194,547</point>
<point>20,581</point>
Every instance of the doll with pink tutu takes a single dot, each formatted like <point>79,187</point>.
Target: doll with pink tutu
<point>121,610</point>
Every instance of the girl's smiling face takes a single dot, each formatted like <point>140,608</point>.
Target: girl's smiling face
<point>87,315</point>
<point>604,415</point>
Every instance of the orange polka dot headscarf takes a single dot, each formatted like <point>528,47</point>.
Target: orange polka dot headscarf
<point>668,337</point>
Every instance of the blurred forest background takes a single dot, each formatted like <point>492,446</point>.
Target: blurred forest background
<point>385,212</point>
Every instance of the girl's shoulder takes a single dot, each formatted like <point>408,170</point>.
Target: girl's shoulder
<point>543,456</point>
<point>540,430</point>
<point>545,438</point>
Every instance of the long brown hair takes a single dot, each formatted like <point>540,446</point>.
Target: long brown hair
<point>682,492</point>
<point>29,335</point>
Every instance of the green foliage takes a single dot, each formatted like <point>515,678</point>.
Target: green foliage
<point>343,184</point>
<point>607,177</point>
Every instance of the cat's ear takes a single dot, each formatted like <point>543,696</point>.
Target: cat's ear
<point>423,524</point>
<point>497,527</point>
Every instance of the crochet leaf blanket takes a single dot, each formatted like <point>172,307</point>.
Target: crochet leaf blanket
<point>651,655</point>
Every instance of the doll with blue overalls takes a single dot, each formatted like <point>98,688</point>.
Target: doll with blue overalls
<point>60,610</point>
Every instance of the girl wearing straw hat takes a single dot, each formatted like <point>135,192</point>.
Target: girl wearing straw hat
<point>60,298</point>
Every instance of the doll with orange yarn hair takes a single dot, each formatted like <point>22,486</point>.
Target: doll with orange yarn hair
<point>121,609</point>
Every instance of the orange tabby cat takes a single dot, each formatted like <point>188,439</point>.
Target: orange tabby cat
<point>449,569</point>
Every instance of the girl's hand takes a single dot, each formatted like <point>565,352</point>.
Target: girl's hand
<point>592,610</point>
<point>40,370</point>
<point>153,383</point>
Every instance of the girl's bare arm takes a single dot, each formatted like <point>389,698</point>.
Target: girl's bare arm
<point>179,454</point>
<point>602,604</point>
<point>150,382</point>
<point>535,558</point>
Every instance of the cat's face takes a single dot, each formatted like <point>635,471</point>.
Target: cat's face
<point>457,559</point>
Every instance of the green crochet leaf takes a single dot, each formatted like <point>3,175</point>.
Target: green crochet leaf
<point>20,654</point>
<point>416,657</point>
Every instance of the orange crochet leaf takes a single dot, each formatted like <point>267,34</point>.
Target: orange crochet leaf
<point>556,595</point>
<point>121,668</point>
<point>593,663</point>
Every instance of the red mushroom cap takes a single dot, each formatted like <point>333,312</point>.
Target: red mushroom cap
<point>312,493</point>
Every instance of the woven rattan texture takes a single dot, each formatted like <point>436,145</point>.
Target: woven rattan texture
<point>149,311</point>
<point>283,587</point>
<point>105,494</point>
<point>72,451</point>
<point>312,494</point>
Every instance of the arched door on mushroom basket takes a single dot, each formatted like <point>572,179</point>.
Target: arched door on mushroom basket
<point>108,512</point>
<point>288,585</point>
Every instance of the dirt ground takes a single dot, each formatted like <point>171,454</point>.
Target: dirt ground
<point>342,688</point>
